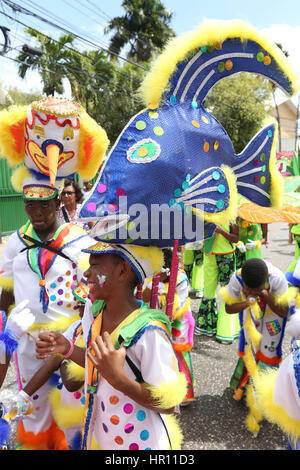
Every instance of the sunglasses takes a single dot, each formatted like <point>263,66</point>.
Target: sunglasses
<point>67,193</point>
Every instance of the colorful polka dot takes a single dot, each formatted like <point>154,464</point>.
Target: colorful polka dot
<point>112,207</point>
<point>216,175</point>
<point>53,285</point>
<point>140,125</point>
<point>177,192</point>
<point>142,152</point>
<point>130,226</point>
<point>128,408</point>
<point>216,145</point>
<point>91,206</point>
<point>158,130</point>
<point>196,124</point>
<point>220,204</point>
<point>194,104</point>
<point>262,157</point>
<point>185,185</point>
<point>77,395</point>
<point>115,420</point>
<point>173,99</point>
<point>105,428</point>
<point>206,147</point>
<point>68,273</point>
<point>153,105</point>
<point>221,66</point>
<point>67,295</point>
<point>270,133</point>
<point>128,428</point>
<point>35,397</point>
<point>144,435</point>
<point>113,399</point>
<point>60,291</point>
<point>134,446</point>
<point>267,60</point>
<point>260,56</point>
<point>74,265</point>
<point>204,119</point>
<point>228,64</point>
<point>60,279</point>
<point>153,114</point>
<point>119,440</point>
<point>52,298</point>
<point>263,180</point>
<point>120,192</point>
<point>256,179</point>
<point>101,188</point>
<point>60,302</point>
<point>221,188</point>
<point>141,415</point>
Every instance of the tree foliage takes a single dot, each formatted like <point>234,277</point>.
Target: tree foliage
<point>240,103</point>
<point>144,28</point>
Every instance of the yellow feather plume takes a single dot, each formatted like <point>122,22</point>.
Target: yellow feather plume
<point>12,134</point>
<point>6,284</point>
<point>18,176</point>
<point>152,253</point>
<point>211,32</point>
<point>169,394</point>
<point>65,416</point>
<point>92,147</point>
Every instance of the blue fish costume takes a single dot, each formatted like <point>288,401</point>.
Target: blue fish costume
<point>173,174</point>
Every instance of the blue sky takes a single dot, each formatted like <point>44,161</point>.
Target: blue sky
<point>278,19</point>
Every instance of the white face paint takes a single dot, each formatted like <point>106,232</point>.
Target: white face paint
<point>101,279</point>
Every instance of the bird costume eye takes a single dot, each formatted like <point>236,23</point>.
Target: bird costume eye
<point>69,133</point>
<point>39,132</point>
<point>144,151</point>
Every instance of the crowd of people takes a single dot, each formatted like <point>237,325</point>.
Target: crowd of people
<point>139,371</point>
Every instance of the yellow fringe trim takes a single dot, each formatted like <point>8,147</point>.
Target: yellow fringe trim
<point>6,284</point>
<point>288,297</point>
<point>59,325</point>
<point>153,254</point>
<point>264,388</point>
<point>83,262</point>
<point>169,394</point>
<point>227,298</point>
<point>75,371</point>
<point>174,430</point>
<point>92,147</point>
<point>11,149</point>
<point>18,177</point>
<point>65,416</point>
<point>229,215</point>
<point>298,300</point>
<point>180,312</point>
<point>211,32</point>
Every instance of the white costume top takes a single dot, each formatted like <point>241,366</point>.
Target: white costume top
<point>286,392</point>
<point>119,423</point>
<point>60,279</point>
<point>270,325</point>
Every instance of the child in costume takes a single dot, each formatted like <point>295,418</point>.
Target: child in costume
<point>218,265</point>
<point>67,397</point>
<point>277,392</point>
<point>183,322</point>
<point>251,237</point>
<point>126,387</point>
<point>295,233</point>
<point>54,138</point>
<point>259,292</point>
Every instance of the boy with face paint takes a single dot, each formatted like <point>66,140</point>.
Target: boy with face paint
<point>124,400</point>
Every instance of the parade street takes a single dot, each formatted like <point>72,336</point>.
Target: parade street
<point>215,421</point>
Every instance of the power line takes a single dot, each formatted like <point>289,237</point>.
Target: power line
<point>66,46</point>
<point>20,9</point>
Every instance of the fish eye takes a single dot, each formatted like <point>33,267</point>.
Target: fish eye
<point>144,151</point>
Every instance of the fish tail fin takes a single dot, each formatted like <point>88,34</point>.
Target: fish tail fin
<point>255,169</point>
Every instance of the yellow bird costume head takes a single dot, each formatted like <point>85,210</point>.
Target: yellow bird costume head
<point>54,138</point>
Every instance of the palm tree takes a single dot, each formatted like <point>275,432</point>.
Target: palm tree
<point>144,27</point>
<point>51,64</point>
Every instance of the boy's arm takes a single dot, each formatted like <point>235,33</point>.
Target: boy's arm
<point>72,385</point>
<point>51,343</point>
<point>280,310</point>
<point>110,362</point>
<point>42,375</point>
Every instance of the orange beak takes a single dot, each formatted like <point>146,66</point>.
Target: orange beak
<point>52,152</point>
